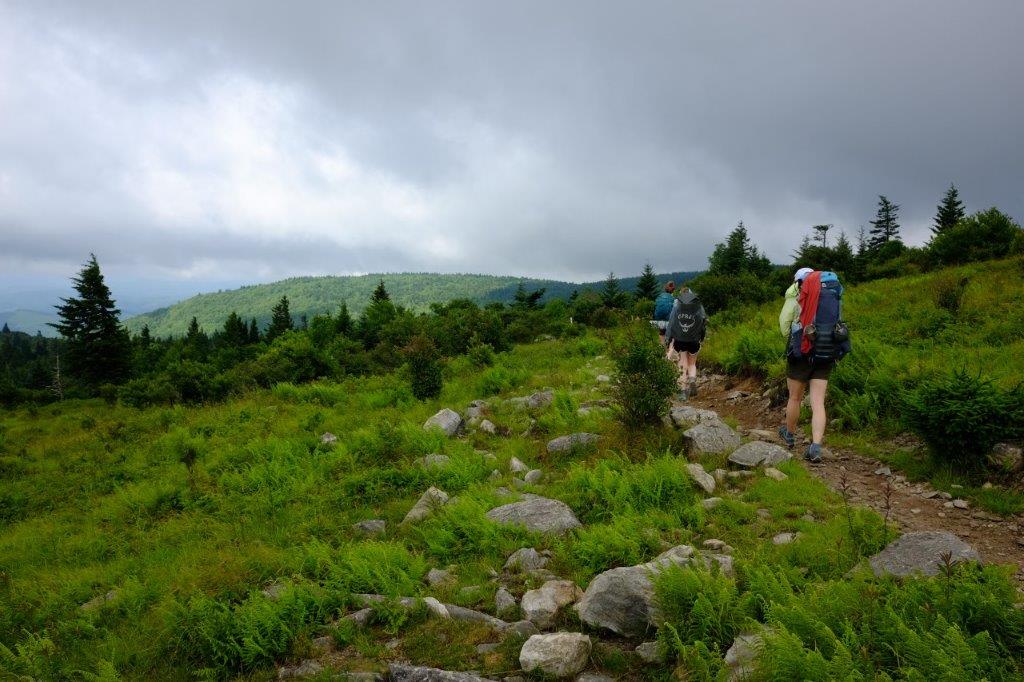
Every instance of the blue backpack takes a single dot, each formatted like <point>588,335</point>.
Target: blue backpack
<point>830,337</point>
<point>663,306</point>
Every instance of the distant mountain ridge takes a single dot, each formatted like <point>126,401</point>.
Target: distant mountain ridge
<point>311,296</point>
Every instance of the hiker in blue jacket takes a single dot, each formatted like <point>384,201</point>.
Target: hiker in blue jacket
<point>662,309</point>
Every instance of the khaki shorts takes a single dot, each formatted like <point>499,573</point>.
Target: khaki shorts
<point>801,369</point>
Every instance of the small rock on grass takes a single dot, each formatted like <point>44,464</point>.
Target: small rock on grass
<point>775,474</point>
<point>921,552</point>
<point>758,453</point>
<point>559,654</point>
<point>710,503</point>
<point>649,652</point>
<point>516,466</point>
<point>701,477</point>
<point>487,426</point>
<point>328,438</point>
<point>400,672</point>
<point>525,559</point>
<point>739,659</point>
<point>446,420</point>
<point>541,606</point>
<point>533,476</point>
<point>436,576</point>
<point>504,601</point>
<point>307,668</point>
<point>429,500</point>
<point>711,438</point>
<point>784,538</point>
<point>538,514</point>
<point>370,526</point>
<point>572,442</point>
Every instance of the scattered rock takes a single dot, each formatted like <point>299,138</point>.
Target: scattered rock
<point>758,453</point>
<point>472,616</point>
<point>711,438</point>
<point>930,494</point>
<point>476,409</point>
<point>487,426</point>
<point>533,476</point>
<point>710,503</point>
<point>739,659</point>
<point>370,526</point>
<point>536,400</point>
<point>273,591</point>
<point>487,647</point>
<point>960,504</point>
<point>883,471</point>
<point>428,502</point>
<point>436,576</point>
<point>536,513</point>
<point>525,559</point>
<point>603,378</point>
<point>99,600</point>
<point>541,606</point>
<point>761,434</point>
<point>944,495</point>
<point>686,416</point>
<point>1009,457</point>
<point>433,460</point>
<point>719,475</point>
<point>518,483</point>
<point>764,513</point>
<point>784,538</point>
<point>572,442</point>
<point>921,552</point>
<point>522,628</point>
<point>495,475</point>
<point>516,466</point>
<point>593,677</point>
<point>701,477</point>
<point>328,438</point>
<point>436,608</point>
<point>736,395</point>
<point>650,653</point>
<point>400,672</point>
<point>447,420</point>
<point>361,617</point>
<point>559,654</point>
<point>775,474</point>
<point>307,668</point>
<point>504,602</point>
<point>714,544</point>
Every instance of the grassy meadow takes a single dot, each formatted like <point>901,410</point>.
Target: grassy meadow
<point>171,522</point>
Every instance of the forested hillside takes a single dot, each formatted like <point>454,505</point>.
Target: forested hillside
<point>312,296</point>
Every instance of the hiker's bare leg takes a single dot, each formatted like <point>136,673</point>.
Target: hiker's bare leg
<point>691,365</point>
<point>818,417</point>
<point>796,396</point>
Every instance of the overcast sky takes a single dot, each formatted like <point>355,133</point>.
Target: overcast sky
<point>253,140</point>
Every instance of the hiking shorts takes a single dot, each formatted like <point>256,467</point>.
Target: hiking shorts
<point>801,369</point>
<point>692,347</point>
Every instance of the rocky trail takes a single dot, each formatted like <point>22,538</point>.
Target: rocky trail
<point>912,506</point>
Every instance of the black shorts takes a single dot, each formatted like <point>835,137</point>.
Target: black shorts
<point>801,369</point>
<point>692,347</point>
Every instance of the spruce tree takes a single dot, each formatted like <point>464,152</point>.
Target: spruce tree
<point>97,347</point>
<point>343,324</point>
<point>647,286</point>
<point>236,333</point>
<point>885,227</point>
<point>254,331</point>
<point>525,299</point>
<point>949,212</point>
<point>280,320</point>
<point>145,338</point>
<point>611,294</point>
<point>822,232</point>
<point>6,329</point>
<point>380,293</point>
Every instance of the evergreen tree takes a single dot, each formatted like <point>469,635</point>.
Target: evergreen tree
<point>343,324</point>
<point>280,320</point>
<point>424,366</point>
<point>303,322</point>
<point>822,232</point>
<point>236,333</point>
<point>525,299</point>
<point>196,341</point>
<point>737,255</point>
<point>145,338</point>
<point>949,212</point>
<point>647,286</point>
<point>6,329</point>
<point>380,293</point>
<point>611,295</point>
<point>885,226</point>
<point>843,256</point>
<point>97,349</point>
<point>254,331</point>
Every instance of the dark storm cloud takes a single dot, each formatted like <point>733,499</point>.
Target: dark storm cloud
<point>566,139</point>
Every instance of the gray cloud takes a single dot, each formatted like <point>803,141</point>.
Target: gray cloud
<point>237,140</point>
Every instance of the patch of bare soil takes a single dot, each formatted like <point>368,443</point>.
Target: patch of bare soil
<point>866,481</point>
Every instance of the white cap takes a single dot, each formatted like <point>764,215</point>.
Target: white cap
<point>801,273</point>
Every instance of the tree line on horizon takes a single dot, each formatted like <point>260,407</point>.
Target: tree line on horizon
<point>97,356</point>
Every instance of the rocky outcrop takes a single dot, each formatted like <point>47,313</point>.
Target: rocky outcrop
<point>400,672</point>
<point>758,453</point>
<point>711,438</point>
<point>739,659</point>
<point>446,420</point>
<point>686,416</point>
<point>536,513</point>
<point>575,441</point>
<point>542,605</point>
<point>921,552</point>
<point>559,654</point>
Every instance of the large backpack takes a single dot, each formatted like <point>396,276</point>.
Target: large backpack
<point>830,337</point>
<point>690,322</point>
<point>663,306</point>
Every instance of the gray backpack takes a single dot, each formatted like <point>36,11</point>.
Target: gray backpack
<point>690,322</point>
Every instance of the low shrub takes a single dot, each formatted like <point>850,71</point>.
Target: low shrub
<point>961,416</point>
<point>500,378</point>
<point>424,366</point>
<point>698,604</point>
<point>644,379</point>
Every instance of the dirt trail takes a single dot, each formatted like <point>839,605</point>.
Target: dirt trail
<point>912,506</point>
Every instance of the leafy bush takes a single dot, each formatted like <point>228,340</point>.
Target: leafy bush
<point>626,540</point>
<point>481,355</point>
<point>698,604</point>
<point>501,378</point>
<point>424,368</point>
<point>643,380</point>
<point>754,352</point>
<point>949,292</point>
<point>982,236</point>
<point>720,292</point>
<point>962,416</point>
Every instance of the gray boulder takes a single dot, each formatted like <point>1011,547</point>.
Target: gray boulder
<point>649,652</point>
<point>307,668</point>
<point>487,426</point>
<point>739,659</point>
<point>525,560</point>
<point>425,506</point>
<point>701,477</point>
<point>686,416</point>
<point>921,552</point>
<point>516,466</point>
<point>711,438</point>
<point>437,576</point>
<point>504,602</point>
<point>328,438</point>
<point>572,442</point>
<point>433,461</point>
<point>758,453</point>
<point>447,420</point>
<point>536,513</point>
<point>541,606</point>
<point>533,476</point>
<point>400,672</point>
<point>476,409</point>
<point>370,526</point>
<point>536,400</point>
<point>559,654</point>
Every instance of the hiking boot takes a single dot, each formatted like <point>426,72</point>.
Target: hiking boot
<point>813,454</point>
<point>691,388</point>
<point>682,396</point>
<point>787,437</point>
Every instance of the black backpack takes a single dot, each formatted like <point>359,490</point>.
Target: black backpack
<point>690,323</point>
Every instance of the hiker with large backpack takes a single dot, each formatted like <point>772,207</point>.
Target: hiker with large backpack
<point>687,326</point>
<point>662,309</point>
<point>817,338</point>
